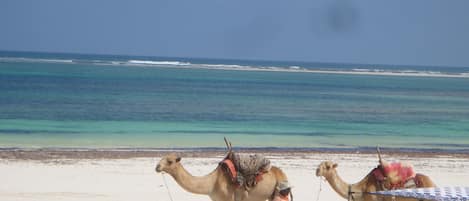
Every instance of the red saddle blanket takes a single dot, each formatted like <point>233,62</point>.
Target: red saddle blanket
<point>396,174</point>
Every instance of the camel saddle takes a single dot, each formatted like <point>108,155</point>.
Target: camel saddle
<point>245,170</point>
<point>395,176</point>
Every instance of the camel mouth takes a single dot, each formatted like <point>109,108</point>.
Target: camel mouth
<point>158,169</point>
<point>317,173</point>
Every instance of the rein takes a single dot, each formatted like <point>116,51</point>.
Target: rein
<point>320,188</point>
<point>350,193</point>
<point>167,187</point>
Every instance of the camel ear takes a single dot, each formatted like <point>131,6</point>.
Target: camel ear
<point>335,165</point>
<point>178,159</point>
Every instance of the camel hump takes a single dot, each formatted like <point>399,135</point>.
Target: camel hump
<point>279,174</point>
<point>423,181</point>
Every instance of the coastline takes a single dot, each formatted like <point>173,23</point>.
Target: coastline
<point>41,154</point>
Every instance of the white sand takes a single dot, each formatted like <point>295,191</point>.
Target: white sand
<point>135,179</point>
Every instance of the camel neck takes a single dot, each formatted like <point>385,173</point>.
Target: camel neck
<point>340,186</point>
<point>194,184</point>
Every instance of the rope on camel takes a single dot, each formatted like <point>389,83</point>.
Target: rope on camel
<point>320,188</point>
<point>167,187</point>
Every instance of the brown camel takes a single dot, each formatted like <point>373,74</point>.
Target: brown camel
<point>357,191</point>
<point>217,184</point>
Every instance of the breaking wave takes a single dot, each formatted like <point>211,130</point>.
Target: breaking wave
<point>143,62</point>
<point>285,68</point>
<point>34,60</point>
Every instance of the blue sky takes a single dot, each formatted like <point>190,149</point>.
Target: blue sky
<point>415,32</point>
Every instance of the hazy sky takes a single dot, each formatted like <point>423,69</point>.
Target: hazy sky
<point>422,32</point>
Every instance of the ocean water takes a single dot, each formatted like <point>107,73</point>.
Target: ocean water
<point>96,101</point>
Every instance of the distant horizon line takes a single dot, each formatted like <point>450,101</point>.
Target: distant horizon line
<point>227,59</point>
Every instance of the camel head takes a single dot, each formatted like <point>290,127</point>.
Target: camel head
<point>168,163</point>
<point>326,169</point>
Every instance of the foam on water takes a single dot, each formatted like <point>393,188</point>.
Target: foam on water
<point>359,71</point>
<point>293,68</point>
<point>174,63</point>
<point>34,60</point>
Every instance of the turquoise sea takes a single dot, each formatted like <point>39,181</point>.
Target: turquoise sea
<point>50,100</point>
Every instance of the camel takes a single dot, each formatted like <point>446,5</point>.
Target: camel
<point>357,191</point>
<point>217,184</point>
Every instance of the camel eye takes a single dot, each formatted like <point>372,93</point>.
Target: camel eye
<point>170,162</point>
<point>328,167</point>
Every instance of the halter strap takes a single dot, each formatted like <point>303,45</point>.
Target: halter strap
<point>350,193</point>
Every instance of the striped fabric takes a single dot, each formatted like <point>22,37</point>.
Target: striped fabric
<point>437,194</point>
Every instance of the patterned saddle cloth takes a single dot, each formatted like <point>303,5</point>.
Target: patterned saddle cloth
<point>246,170</point>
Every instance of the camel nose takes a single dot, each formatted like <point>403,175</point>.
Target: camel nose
<point>158,168</point>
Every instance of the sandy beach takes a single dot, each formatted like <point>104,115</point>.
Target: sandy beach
<point>55,176</point>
